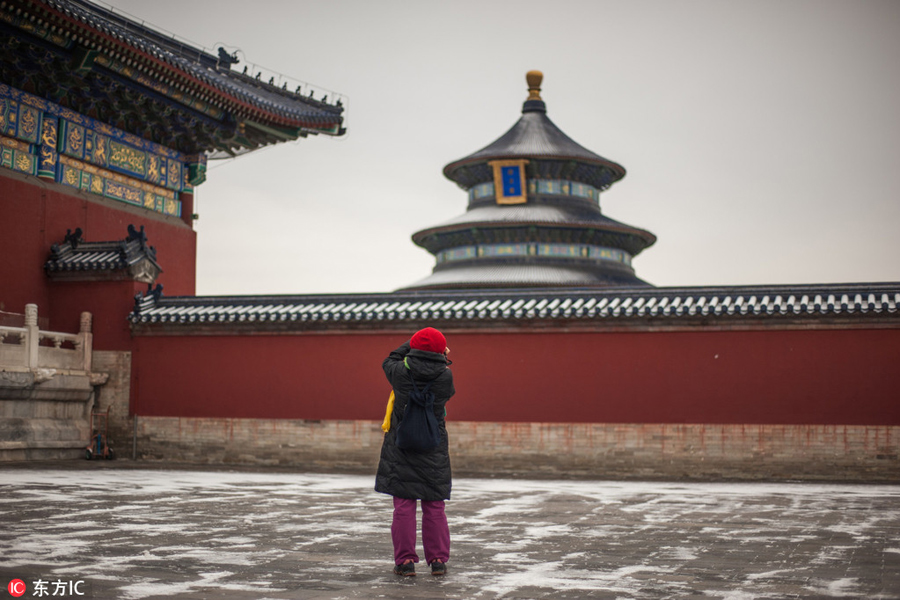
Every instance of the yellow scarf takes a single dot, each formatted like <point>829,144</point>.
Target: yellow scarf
<point>386,425</point>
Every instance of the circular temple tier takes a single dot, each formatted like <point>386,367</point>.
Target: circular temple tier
<point>533,217</point>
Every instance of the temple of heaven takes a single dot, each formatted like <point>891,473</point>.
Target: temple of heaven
<point>533,218</point>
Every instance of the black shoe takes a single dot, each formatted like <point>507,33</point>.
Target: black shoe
<point>438,568</point>
<point>406,569</point>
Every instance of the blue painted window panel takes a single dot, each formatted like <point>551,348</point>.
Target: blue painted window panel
<point>512,181</point>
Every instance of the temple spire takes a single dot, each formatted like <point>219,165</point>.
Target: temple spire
<point>534,79</point>
<point>534,103</point>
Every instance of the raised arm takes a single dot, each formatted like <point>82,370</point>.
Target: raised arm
<point>394,361</point>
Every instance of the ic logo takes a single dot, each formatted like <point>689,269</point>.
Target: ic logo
<point>16,588</point>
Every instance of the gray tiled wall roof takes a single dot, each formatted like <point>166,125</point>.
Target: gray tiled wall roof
<point>670,305</point>
<point>74,254</point>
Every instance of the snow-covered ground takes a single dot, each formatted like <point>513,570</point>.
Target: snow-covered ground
<point>135,534</point>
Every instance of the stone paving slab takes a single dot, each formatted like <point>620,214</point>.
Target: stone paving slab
<point>145,534</point>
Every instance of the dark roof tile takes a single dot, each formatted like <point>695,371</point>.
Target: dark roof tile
<point>74,254</point>
<point>664,306</point>
<point>204,67</point>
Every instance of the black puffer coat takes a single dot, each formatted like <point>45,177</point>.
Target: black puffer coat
<point>405,474</point>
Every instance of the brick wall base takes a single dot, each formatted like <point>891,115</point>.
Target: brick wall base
<point>691,451</point>
<point>43,416</point>
<point>349,446</point>
<point>114,396</point>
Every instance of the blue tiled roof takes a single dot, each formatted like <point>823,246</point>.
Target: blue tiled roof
<point>662,306</point>
<point>534,136</point>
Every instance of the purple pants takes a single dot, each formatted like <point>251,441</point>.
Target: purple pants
<point>435,532</point>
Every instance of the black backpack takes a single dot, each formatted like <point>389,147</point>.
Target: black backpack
<point>419,430</point>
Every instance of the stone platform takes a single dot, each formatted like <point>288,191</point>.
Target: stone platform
<point>129,532</point>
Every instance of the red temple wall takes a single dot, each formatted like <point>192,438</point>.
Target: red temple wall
<point>35,214</point>
<point>839,376</point>
<point>108,302</point>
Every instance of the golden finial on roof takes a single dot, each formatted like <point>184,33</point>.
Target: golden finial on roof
<point>534,79</point>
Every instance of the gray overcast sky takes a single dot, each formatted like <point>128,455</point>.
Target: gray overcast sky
<point>761,139</point>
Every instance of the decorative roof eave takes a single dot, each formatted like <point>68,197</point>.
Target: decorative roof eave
<point>425,238</point>
<point>495,274</point>
<point>450,171</point>
<point>131,259</point>
<point>324,123</point>
<point>88,34</point>
<point>736,307</point>
<point>476,172</point>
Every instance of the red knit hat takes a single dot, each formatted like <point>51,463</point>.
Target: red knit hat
<point>429,339</point>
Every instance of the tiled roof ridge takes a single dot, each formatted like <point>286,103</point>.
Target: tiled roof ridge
<point>855,287</point>
<point>76,254</point>
<point>853,299</point>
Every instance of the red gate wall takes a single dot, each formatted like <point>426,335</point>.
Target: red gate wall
<point>825,376</point>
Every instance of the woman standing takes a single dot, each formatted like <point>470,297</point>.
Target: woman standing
<point>408,475</point>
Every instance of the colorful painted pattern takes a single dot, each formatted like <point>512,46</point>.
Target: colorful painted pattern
<point>495,250</point>
<point>44,139</point>
<point>160,87</point>
<point>552,251</point>
<point>599,253</point>
<point>105,183</point>
<point>48,157</point>
<point>562,187</point>
<point>550,187</point>
<point>583,190</point>
<point>36,30</point>
<point>18,97</point>
<point>482,190</point>
<point>116,66</point>
<point>110,152</point>
<point>462,253</point>
<point>562,250</point>
<point>14,157</point>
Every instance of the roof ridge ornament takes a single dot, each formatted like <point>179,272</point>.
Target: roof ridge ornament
<point>534,102</point>
<point>131,258</point>
<point>534,79</point>
<point>73,238</point>
<point>135,234</point>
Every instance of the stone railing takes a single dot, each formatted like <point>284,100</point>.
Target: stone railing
<point>47,389</point>
<point>30,348</point>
